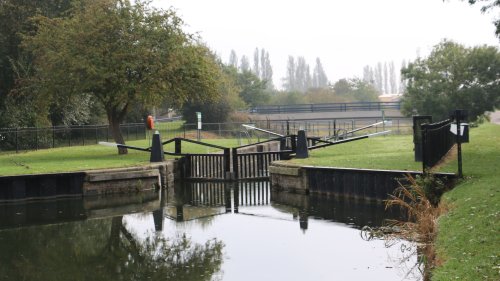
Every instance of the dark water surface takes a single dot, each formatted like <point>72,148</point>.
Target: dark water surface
<point>199,231</point>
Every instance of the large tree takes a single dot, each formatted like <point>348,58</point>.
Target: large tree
<point>320,80</point>
<point>121,54</point>
<point>14,21</point>
<point>453,77</point>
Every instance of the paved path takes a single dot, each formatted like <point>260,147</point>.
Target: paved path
<point>495,117</point>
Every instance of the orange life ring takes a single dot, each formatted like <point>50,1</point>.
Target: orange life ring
<point>150,123</point>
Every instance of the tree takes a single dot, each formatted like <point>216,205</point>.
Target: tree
<point>402,82</point>
<point>217,110</point>
<point>368,75</point>
<point>14,62</point>
<point>121,54</point>
<point>289,80</point>
<point>244,64</point>
<point>256,63</point>
<point>267,72</point>
<point>342,87</point>
<point>386,80</point>
<point>252,89</point>
<point>392,78</point>
<point>302,75</point>
<point>288,97</point>
<point>320,80</point>
<point>233,59</point>
<point>379,84</point>
<point>363,91</point>
<point>453,77</point>
<point>355,90</point>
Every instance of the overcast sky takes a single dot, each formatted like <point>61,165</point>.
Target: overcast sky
<point>345,34</point>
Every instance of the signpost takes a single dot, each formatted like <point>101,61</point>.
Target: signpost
<point>198,116</point>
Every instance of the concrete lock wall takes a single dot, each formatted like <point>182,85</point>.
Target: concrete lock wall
<point>351,183</point>
<point>88,183</point>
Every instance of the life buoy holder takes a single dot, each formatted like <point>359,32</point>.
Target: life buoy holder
<point>150,123</point>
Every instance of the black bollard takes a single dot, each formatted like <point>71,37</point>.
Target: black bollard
<point>156,149</point>
<point>302,151</point>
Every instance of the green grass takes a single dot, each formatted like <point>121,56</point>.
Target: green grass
<point>79,158</point>
<point>394,152</point>
<point>468,241</point>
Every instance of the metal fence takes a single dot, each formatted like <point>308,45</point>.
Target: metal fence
<point>314,128</point>
<point>22,139</point>
<point>325,107</point>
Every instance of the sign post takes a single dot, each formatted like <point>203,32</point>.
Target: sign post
<point>460,115</point>
<point>198,117</point>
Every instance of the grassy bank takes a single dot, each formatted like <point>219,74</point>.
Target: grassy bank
<point>468,242</point>
<point>393,152</point>
<point>80,158</point>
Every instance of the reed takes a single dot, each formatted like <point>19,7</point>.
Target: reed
<point>422,211</point>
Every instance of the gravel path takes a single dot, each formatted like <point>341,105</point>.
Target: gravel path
<point>495,117</point>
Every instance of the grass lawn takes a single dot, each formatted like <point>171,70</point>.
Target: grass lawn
<point>468,242</point>
<point>80,158</point>
<point>383,152</point>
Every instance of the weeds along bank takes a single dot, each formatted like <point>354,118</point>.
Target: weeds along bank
<point>468,239</point>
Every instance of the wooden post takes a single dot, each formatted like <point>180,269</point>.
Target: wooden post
<point>235,163</point>
<point>178,146</point>
<point>227,163</point>
<point>424,147</point>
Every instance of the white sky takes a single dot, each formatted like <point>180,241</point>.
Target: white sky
<point>345,34</point>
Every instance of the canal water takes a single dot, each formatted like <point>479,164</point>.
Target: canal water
<point>200,231</point>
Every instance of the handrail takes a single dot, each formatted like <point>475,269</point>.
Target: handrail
<point>195,142</point>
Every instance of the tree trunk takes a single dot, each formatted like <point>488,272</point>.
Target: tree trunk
<point>114,125</point>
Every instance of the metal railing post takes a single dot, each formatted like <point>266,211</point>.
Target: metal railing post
<point>235,163</point>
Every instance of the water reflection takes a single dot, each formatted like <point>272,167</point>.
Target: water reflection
<point>195,231</point>
<point>218,198</point>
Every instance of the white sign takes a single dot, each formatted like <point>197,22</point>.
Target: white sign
<point>453,128</point>
<point>198,115</point>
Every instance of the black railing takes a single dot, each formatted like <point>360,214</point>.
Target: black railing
<point>21,139</point>
<point>317,128</point>
<point>325,107</point>
<point>205,166</point>
<point>210,166</point>
<point>437,140</point>
<point>252,161</point>
<point>254,164</point>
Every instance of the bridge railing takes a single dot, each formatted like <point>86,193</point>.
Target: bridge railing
<point>325,107</point>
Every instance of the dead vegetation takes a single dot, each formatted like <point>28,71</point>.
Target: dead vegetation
<point>422,211</point>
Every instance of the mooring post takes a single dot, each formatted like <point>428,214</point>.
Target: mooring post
<point>293,143</point>
<point>283,155</point>
<point>178,146</point>
<point>156,149</point>
<point>302,151</point>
